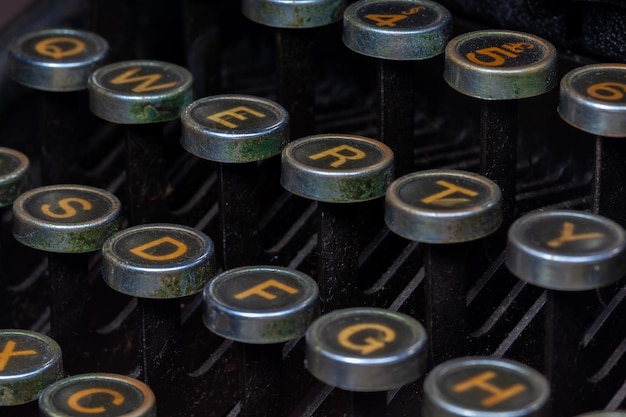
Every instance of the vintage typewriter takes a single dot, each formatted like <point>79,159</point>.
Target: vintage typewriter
<point>475,310</point>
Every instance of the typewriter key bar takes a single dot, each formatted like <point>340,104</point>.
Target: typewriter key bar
<point>159,264</point>
<point>592,99</point>
<point>261,307</point>
<point>58,63</point>
<point>142,95</point>
<point>397,33</point>
<point>444,209</point>
<point>340,172</point>
<point>236,131</point>
<point>296,24</point>
<point>499,68</point>
<point>570,253</point>
<point>67,222</point>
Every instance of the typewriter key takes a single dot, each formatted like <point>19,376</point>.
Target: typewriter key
<point>398,32</point>
<point>593,99</point>
<point>297,24</point>
<point>569,253</point>
<point>14,175</point>
<point>92,394</point>
<point>500,67</point>
<point>336,170</point>
<point>444,209</point>
<point>236,131</point>
<point>66,218</point>
<point>474,386</point>
<point>57,63</point>
<point>159,264</point>
<point>366,350</point>
<point>29,362</point>
<point>56,59</point>
<point>142,95</point>
<point>261,307</point>
<point>68,222</point>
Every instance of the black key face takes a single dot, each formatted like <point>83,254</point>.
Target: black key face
<point>486,386</point>
<point>234,128</point>
<point>367,335</point>
<point>446,192</point>
<point>366,349</point>
<point>338,154</point>
<point>69,206</point>
<point>569,235</point>
<point>161,248</point>
<point>66,218</point>
<point>567,250</point>
<point>105,395</point>
<point>261,304</point>
<point>337,168</point>
<point>141,78</point>
<point>502,50</point>
<point>237,115</point>
<point>261,290</point>
<point>398,14</point>
<point>28,363</point>
<point>158,261</point>
<point>63,46</point>
<point>443,206</point>
<point>605,83</point>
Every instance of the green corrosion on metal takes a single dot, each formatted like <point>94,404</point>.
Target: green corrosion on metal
<point>182,284</point>
<point>160,111</point>
<point>362,189</point>
<point>68,241</point>
<point>253,150</point>
<point>280,330</point>
<point>26,391</point>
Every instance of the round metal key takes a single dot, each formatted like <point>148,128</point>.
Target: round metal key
<point>234,128</point>
<point>402,30</point>
<point>66,218</point>
<point>293,14</point>
<point>56,59</point>
<point>261,304</point>
<point>593,99</point>
<point>29,362</point>
<point>138,92</point>
<point>500,65</point>
<point>484,386</point>
<point>337,168</point>
<point>366,349</point>
<point>443,206</point>
<point>158,261</point>
<point>14,175</point>
<point>100,394</point>
<point>566,250</point>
